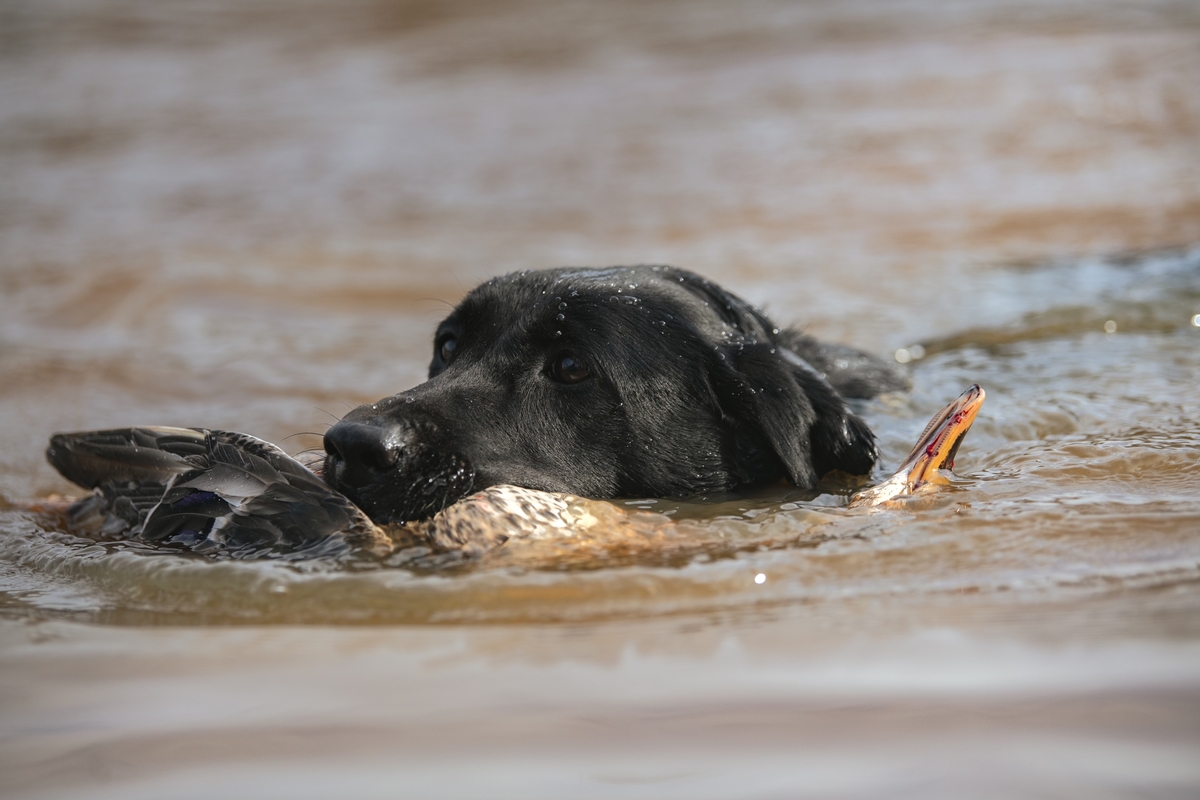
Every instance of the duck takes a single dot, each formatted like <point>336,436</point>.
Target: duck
<point>230,494</point>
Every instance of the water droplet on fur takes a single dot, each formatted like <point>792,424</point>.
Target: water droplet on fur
<point>560,317</point>
<point>562,306</point>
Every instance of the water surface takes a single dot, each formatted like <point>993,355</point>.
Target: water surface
<point>254,219</point>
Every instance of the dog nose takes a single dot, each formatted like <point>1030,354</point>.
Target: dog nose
<point>357,453</point>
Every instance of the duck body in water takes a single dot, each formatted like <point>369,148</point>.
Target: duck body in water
<point>231,494</point>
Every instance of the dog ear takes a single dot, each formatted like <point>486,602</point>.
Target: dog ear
<point>794,412</point>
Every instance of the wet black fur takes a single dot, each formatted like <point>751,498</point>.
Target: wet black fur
<point>692,391</point>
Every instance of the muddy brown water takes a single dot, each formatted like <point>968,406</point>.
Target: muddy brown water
<point>251,217</point>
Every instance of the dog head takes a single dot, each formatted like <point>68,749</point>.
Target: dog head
<point>628,381</point>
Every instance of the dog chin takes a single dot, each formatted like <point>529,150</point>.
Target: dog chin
<point>406,497</point>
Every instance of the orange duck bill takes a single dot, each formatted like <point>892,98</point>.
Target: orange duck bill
<point>934,451</point>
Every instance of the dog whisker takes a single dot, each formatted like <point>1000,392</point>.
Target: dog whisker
<point>301,433</point>
<point>336,418</point>
<point>438,300</point>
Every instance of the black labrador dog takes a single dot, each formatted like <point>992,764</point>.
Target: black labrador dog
<point>644,381</point>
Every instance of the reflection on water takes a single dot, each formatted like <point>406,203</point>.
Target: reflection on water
<point>253,219</point>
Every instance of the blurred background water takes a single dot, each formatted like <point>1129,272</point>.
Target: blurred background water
<point>251,215</point>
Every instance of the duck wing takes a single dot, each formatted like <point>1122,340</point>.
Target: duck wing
<point>206,491</point>
<point>127,454</point>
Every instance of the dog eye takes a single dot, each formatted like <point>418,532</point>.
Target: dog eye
<point>569,368</point>
<point>446,347</point>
